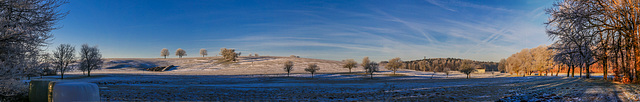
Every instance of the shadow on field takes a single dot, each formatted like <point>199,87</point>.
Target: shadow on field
<point>565,89</point>
<point>347,87</point>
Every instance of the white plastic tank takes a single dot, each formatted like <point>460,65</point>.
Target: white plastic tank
<point>74,92</point>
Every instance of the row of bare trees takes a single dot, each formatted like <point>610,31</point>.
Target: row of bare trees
<point>597,31</point>
<point>443,64</point>
<point>528,61</point>
<point>180,52</point>
<point>465,66</point>
<point>63,58</point>
<point>227,54</point>
<point>369,66</point>
<point>311,68</point>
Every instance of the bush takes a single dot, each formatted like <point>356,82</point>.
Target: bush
<point>229,54</point>
<point>46,72</point>
<point>13,91</point>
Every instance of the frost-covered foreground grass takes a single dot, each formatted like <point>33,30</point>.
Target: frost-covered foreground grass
<point>262,78</point>
<point>352,87</point>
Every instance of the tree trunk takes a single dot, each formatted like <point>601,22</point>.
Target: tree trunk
<point>394,71</point>
<point>568,71</point>
<point>546,72</point>
<point>89,72</point>
<point>580,72</point>
<point>558,71</point>
<point>432,75</point>
<point>587,72</point>
<point>62,72</point>
<point>604,67</point>
<point>636,53</point>
<point>573,71</point>
<point>61,75</point>
<point>371,75</point>
<point>165,57</point>
<point>616,66</point>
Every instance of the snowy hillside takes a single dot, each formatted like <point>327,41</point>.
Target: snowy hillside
<point>211,66</point>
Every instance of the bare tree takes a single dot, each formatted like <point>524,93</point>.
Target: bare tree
<point>312,68</point>
<point>394,64</point>
<point>371,67</point>
<point>542,59</point>
<point>25,27</point>
<point>446,71</point>
<point>203,52</point>
<point>63,56</point>
<point>434,71</point>
<point>365,62</point>
<point>592,28</point>
<point>350,63</point>
<point>90,58</point>
<point>46,62</point>
<point>164,52</point>
<point>502,65</point>
<point>229,54</point>
<point>423,65</point>
<point>467,68</point>
<point>256,54</point>
<point>288,67</point>
<point>180,52</point>
<point>34,66</point>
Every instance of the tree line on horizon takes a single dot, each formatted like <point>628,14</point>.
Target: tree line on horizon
<point>528,61</point>
<point>442,64</point>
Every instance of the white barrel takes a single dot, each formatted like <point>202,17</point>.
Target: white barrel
<point>75,91</point>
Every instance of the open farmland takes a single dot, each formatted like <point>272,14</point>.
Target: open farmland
<point>263,79</point>
<point>348,87</point>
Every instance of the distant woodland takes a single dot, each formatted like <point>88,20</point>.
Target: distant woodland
<point>442,64</point>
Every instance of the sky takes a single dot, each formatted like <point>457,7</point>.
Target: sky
<point>484,30</point>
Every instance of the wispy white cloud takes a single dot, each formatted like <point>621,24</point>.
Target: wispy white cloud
<point>410,25</point>
<point>449,4</point>
<point>387,33</point>
<point>437,3</point>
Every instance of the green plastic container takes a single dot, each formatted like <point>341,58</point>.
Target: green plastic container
<point>39,90</point>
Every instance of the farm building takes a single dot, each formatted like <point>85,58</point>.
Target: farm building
<point>480,70</point>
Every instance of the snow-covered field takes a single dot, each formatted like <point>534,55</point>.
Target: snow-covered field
<point>262,78</point>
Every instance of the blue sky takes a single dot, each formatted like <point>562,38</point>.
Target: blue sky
<point>485,30</point>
